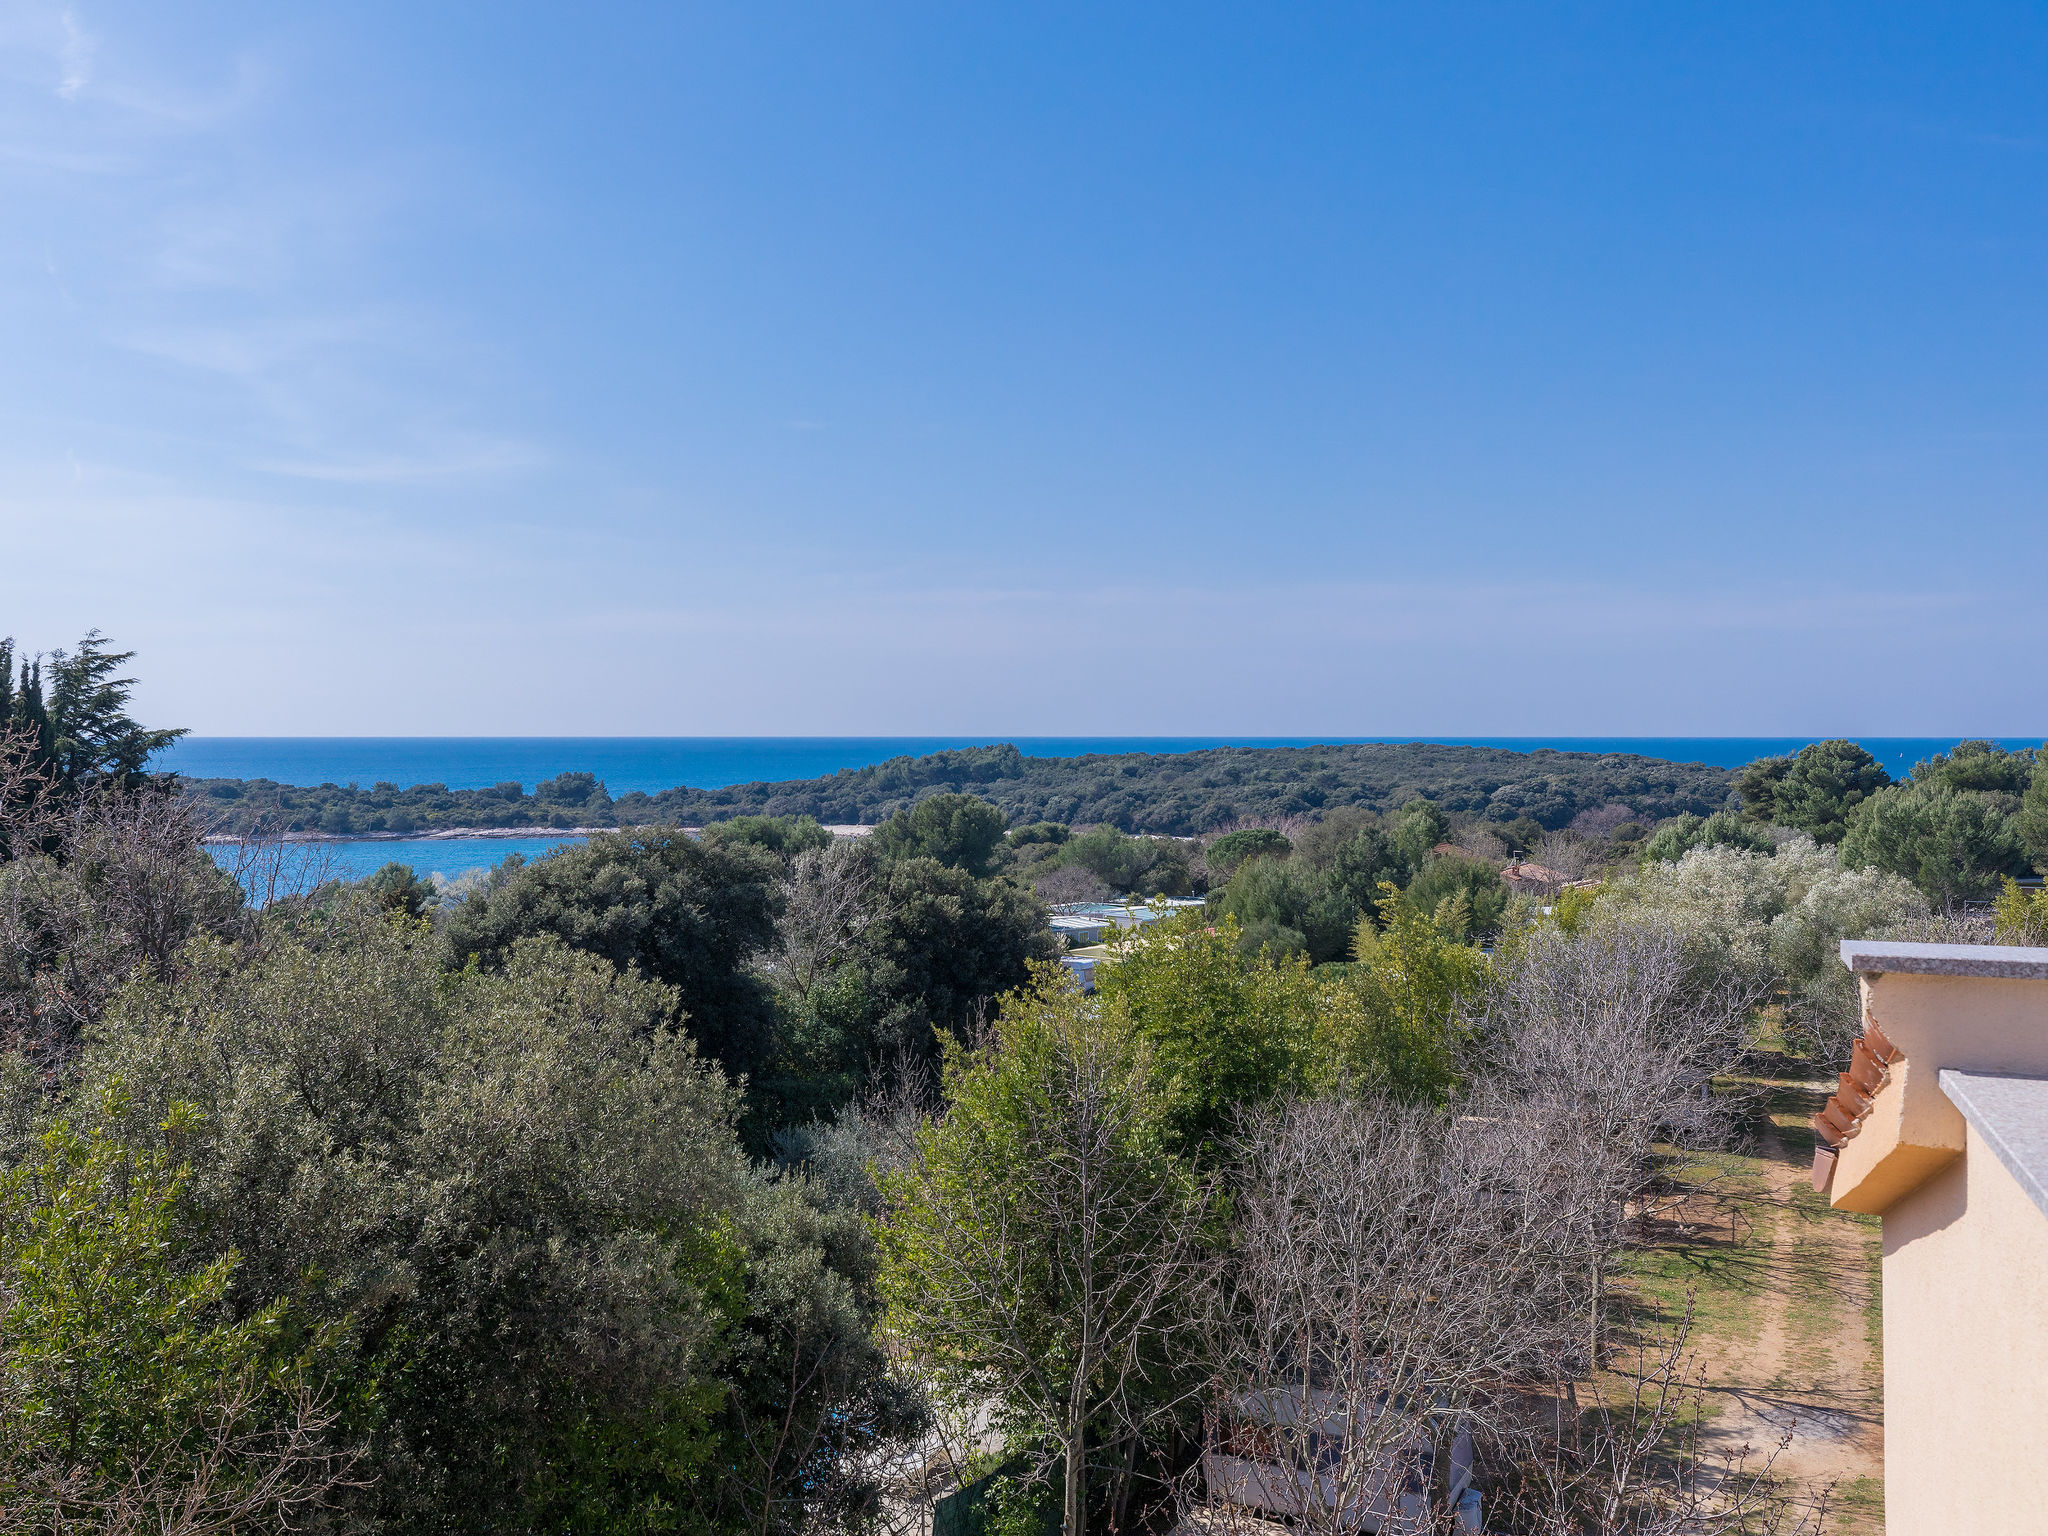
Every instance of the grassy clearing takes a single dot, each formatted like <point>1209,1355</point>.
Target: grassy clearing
<point>1860,1501</point>
<point>1709,1252</point>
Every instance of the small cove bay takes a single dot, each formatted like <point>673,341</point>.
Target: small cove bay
<point>652,764</point>
<point>356,858</point>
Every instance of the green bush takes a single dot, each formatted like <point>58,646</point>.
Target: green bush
<point>1233,848</point>
<point>1724,829</point>
<point>1464,896</point>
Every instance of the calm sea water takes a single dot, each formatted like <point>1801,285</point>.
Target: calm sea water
<point>307,864</point>
<point>654,763</point>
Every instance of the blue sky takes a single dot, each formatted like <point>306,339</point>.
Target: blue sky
<point>1032,370</point>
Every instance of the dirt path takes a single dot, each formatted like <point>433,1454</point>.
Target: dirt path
<point>1804,1367</point>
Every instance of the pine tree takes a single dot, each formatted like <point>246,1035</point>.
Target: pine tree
<point>92,737</point>
<point>81,734</point>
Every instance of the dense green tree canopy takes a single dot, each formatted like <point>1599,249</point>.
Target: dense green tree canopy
<point>1464,896</point>
<point>688,913</point>
<point>1312,901</point>
<point>786,835</point>
<point>1814,791</point>
<point>960,831</point>
<point>2032,821</point>
<point>1678,837</point>
<point>1979,765</point>
<point>1418,827</point>
<point>879,958</point>
<point>559,1296</point>
<point>1290,908</point>
<point>1953,844</point>
<point>1227,1027</point>
<point>1051,833</point>
<point>118,1353</point>
<point>1178,794</point>
<point>1233,848</point>
<point>1145,866</point>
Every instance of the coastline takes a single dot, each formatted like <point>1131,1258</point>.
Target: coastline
<point>458,834</point>
<point>429,835</point>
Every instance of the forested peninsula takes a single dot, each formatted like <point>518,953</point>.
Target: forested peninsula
<point>1174,794</point>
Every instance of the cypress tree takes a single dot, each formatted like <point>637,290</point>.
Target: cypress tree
<point>30,714</point>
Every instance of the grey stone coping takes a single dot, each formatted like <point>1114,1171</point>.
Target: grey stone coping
<point>2011,1114</point>
<point>1873,957</point>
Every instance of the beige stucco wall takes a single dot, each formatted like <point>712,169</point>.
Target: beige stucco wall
<point>1980,1024</point>
<point>1966,1354</point>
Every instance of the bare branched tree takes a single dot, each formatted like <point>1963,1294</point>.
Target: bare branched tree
<point>99,885</point>
<point>1568,853</point>
<point>1068,883</point>
<point>1611,1041</point>
<point>1482,842</point>
<point>1395,1274</point>
<point>833,899</point>
<point>237,1469</point>
<point>1636,1466</point>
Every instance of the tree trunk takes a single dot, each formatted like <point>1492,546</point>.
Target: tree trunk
<point>1593,1322</point>
<point>1074,1520</point>
<point>1121,1503</point>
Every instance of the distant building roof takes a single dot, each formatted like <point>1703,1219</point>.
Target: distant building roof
<point>2011,1114</point>
<point>1523,875</point>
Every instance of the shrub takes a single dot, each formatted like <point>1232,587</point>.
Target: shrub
<point>1234,848</point>
<point>1724,829</point>
<point>2021,915</point>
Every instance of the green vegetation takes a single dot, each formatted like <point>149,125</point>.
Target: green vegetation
<point>1954,844</point>
<point>1042,1232</point>
<point>1180,794</point>
<point>1225,1028</point>
<point>2021,915</point>
<point>122,1354</point>
<point>69,712</point>
<point>685,912</point>
<point>960,831</point>
<point>251,806</point>
<point>704,1183</point>
<point>1309,897</point>
<point>1724,829</point>
<point>1813,792</point>
<point>1964,821</point>
<point>1233,848</point>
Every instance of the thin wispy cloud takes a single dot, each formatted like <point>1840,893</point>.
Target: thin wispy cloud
<point>811,391</point>
<point>74,56</point>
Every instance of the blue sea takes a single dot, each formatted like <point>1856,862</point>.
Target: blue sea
<point>653,763</point>
<point>308,864</point>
